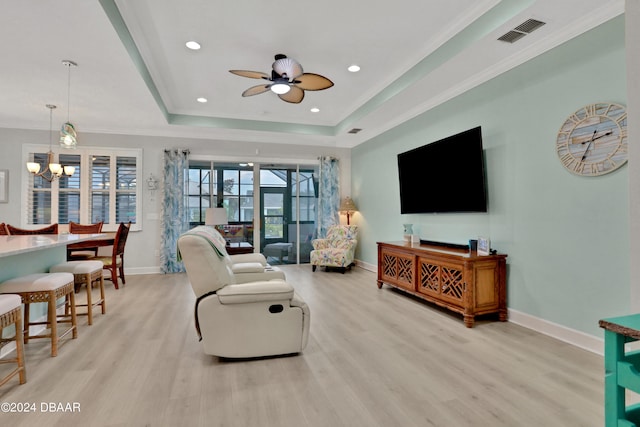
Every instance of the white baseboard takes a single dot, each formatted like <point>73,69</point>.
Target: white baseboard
<point>366,266</point>
<point>562,333</point>
<point>142,270</point>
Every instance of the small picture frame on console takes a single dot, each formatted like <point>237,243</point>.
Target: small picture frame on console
<point>484,246</point>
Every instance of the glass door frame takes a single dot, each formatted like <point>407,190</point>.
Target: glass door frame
<point>292,164</point>
<point>285,219</point>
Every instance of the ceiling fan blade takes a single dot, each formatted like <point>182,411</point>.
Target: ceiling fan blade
<point>288,66</point>
<point>256,90</point>
<point>250,74</point>
<point>311,81</point>
<point>294,96</point>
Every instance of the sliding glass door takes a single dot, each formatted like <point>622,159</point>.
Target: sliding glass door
<point>287,197</point>
<point>274,221</point>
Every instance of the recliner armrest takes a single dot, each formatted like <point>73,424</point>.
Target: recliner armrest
<point>269,290</point>
<point>242,258</point>
<point>247,267</point>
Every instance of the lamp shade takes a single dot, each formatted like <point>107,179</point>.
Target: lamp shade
<point>347,205</point>
<point>215,216</point>
<point>55,168</point>
<point>33,167</point>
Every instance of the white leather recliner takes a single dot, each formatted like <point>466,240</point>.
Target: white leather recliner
<point>244,308</point>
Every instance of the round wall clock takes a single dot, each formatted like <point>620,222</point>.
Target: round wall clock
<point>593,140</point>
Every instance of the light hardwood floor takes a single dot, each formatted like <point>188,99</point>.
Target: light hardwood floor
<point>374,358</point>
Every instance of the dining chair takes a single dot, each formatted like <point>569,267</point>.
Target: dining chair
<point>85,253</point>
<point>115,262</point>
<point>75,228</point>
<point>50,229</point>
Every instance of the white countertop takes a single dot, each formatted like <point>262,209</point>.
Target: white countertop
<point>14,245</point>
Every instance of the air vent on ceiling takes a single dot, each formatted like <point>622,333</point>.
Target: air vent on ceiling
<point>354,130</point>
<point>527,27</point>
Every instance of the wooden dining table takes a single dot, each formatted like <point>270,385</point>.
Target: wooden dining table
<point>106,239</point>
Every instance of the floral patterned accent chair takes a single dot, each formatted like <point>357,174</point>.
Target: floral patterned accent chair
<point>337,249</point>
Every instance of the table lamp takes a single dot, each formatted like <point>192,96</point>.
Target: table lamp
<point>216,216</point>
<point>348,206</point>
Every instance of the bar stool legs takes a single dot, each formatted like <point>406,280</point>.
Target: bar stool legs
<point>11,314</point>
<point>85,273</point>
<point>45,288</point>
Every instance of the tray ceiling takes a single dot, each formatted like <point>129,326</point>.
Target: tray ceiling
<point>136,76</point>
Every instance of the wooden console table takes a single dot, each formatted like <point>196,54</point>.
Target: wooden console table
<point>459,280</point>
<point>239,248</point>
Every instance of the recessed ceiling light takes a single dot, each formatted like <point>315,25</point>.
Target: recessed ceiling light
<point>315,110</point>
<point>193,45</point>
<point>202,100</point>
<point>354,68</point>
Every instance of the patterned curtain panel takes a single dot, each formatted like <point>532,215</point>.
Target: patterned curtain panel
<point>175,219</point>
<point>329,194</point>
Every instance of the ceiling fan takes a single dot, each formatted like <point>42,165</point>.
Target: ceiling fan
<point>287,80</point>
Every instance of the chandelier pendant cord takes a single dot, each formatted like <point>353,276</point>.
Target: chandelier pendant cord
<point>50,107</point>
<point>68,91</point>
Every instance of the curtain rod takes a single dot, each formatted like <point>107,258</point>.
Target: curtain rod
<point>184,150</point>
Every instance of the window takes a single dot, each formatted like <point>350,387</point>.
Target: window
<point>307,196</point>
<point>102,188</point>
<point>287,194</point>
<point>227,184</point>
<point>199,191</point>
<point>236,187</point>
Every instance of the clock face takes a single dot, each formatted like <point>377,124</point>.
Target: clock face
<point>593,140</point>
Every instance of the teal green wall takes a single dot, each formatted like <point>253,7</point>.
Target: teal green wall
<point>566,236</point>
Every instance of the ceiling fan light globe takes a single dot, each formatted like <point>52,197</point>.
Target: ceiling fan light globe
<point>280,88</point>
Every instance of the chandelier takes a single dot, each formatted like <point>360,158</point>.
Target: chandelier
<point>52,170</point>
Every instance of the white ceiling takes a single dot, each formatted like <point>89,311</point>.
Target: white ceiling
<point>135,75</point>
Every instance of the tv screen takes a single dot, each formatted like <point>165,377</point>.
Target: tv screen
<point>445,176</point>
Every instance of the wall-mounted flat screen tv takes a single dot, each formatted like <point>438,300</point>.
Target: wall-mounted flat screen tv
<point>445,176</point>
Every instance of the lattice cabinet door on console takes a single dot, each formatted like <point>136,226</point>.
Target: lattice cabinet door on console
<point>442,281</point>
<point>399,269</point>
<point>461,281</point>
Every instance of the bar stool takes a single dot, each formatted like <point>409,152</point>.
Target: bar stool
<point>11,314</point>
<point>45,287</point>
<point>85,273</point>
